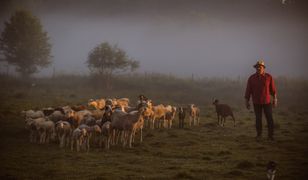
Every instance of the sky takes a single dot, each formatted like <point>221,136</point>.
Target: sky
<point>207,38</point>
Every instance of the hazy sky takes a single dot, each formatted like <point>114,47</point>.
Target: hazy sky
<point>207,38</point>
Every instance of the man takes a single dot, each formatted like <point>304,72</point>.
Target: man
<point>261,86</point>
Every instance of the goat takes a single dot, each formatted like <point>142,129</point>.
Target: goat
<point>169,117</point>
<point>182,114</point>
<point>194,115</point>
<point>159,115</point>
<point>223,111</point>
<point>127,123</point>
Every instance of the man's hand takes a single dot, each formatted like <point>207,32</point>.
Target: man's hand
<point>275,102</point>
<point>247,104</point>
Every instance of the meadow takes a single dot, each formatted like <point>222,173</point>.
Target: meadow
<point>206,151</point>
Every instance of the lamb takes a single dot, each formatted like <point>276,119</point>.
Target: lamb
<point>92,131</point>
<point>106,133</point>
<point>223,111</point>
<point>63,131</point>
<point>32,125</point>
<point>78,138</point>
<point>194,113</point>
<point>46,131</point>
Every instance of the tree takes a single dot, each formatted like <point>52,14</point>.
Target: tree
<point>24,44</point>
<point>107,60</point>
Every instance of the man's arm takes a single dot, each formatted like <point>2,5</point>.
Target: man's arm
<point>273,92</point>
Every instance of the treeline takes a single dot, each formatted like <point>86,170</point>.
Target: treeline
<point>159,87</point>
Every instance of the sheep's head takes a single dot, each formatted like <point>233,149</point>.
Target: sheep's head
<point>70,114</point>
<point>97,129</point>
<point>215,102</point>
<point>93,104</point>
<point>83,132</point>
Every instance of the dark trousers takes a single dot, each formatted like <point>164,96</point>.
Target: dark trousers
<point>267,108</point>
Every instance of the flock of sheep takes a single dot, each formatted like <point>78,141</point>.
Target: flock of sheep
<point>105,122</point>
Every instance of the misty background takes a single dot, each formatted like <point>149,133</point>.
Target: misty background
<point>208,38</point>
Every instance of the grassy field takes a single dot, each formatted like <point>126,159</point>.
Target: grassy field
<point>204,152</point>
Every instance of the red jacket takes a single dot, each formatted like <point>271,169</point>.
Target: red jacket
<point>260,87</point>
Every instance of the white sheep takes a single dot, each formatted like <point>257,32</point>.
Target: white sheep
<point>46,131</point>
<point>78,138</point>
<point>32,126</point>
<point>106,133</point>
<point>63,131</point>
<point>32,114</point>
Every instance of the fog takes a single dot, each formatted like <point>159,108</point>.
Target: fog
<point>221,38</point>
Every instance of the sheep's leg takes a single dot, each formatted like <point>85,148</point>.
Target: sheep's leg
<point>47,137</point>
<point>198,120</point>
<point>130,139</point>
<point>62,139</point>
<point>194,121</point>
<point>31,136</point>
<point>78,144</point>
<point>88,144</point>
<point>233,120</point>
<point>68,139</point>
<point>134,133</point>
<point>42,136</point>
<point>72,145</point>
<point>123,139</point>
<point>113,137</point>
<point>100,142</point>
<point>141,135</point>
<point>106,142</point>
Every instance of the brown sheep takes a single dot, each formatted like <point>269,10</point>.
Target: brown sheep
<point>223,111</point>
<point>97,103</point>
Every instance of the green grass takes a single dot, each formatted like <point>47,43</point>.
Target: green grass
<point>203,152</point>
